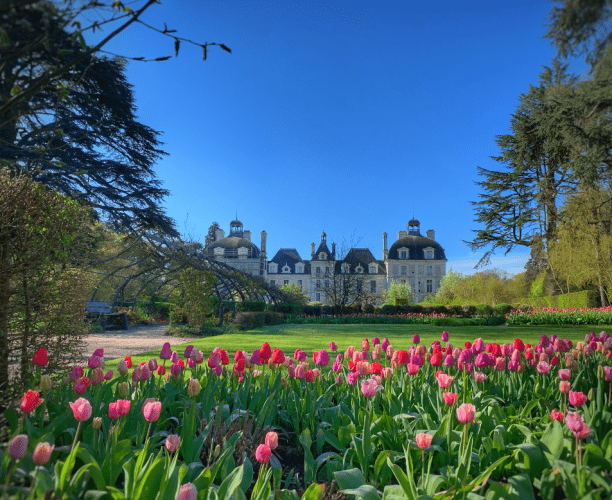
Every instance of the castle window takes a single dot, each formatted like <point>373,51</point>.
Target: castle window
<point>359,287</point>
<point>285,282</point>
<point>318,271</point>
<point>219,252</point>
<point>272,268</point>
<point>359,269</point>
<point>323,256</point>
<point>403,255</point>
<point>318,284</point>
<point>318,297</point>
<point>429,254</point>
<point>429,271</point>
<point>403,270</point>
<point>373,269</point>
<point>286,269</point>
<point>373,286</point>
<point>273,282</point>
<point>429,286</point>
<point>243,252</point>
<point>299,269</point>
<point>345,268</point>
<point>326,284</point>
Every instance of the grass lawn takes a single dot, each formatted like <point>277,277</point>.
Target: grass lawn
<point>312,338</point>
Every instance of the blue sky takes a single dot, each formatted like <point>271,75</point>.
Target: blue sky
<point>348,117</point>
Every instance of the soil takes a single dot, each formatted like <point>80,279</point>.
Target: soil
<point>134,340</point>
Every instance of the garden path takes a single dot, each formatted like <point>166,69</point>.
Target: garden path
<point>135,340</point>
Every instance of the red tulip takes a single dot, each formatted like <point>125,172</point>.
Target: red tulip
<point>556,415</point>
<point>518,344</point>
<point>466,412</point>
<point>128,361</point>
<point>30,401</point>
<point>265,352</point>
<point>263,453</point>
<point>41,357</point>
<point>42,453</point>
<point>577,398</point>
<point>450,398</point>
<point>423,440</point>
<point>277,356</point>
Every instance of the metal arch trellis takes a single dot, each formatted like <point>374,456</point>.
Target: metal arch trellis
<point>154,261</point>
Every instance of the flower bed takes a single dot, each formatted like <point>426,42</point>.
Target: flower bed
<point>476,421</point>
<point>568,316</point>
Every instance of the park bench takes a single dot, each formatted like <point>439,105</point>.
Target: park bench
<point>104,311</point>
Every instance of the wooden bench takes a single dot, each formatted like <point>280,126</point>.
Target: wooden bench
<point>110,319</point>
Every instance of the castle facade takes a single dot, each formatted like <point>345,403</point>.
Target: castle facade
<point>356,277</point>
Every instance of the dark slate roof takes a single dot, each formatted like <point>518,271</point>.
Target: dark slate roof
<point>231,244</point>
<point>363,256</point>
<point>289,257</point>
<point>323,248</point>
<point>416,245</point>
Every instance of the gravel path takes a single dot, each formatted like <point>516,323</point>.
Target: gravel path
<point>135,340</point>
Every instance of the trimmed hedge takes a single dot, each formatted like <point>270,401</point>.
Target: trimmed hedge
<point>579,300</point>
<point>256,319</point>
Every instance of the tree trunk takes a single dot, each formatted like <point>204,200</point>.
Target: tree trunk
<point>5,296</point>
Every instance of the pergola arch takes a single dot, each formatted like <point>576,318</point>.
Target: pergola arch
<point>153,262</point>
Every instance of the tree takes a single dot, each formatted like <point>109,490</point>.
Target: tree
<point>211,237</point>
<point>295,294</point>
<point>522,200</point>
<point>449,285</point>
<point>399,294</point>
<point>44,245</point>
<point>582,257</point>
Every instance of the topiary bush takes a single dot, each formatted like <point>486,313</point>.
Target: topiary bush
<point>389,309</point>
<point>503,309</point>
<point>468,310</point>
<point>254,305</point>
<point>484,310</point>
<point>367,309</point>
<point>326,310</point>
<point>454,310</point>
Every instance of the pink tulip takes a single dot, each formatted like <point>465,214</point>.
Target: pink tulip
<point>122,367</point>
<point>387,372</point>
<point>166,351</point>
<point>93,362</point>
<point>352,378</point>
<point>466,412</point>
<point>174,357</point>
<point>543,367</point>
<point>607,373</point>
<point>423,440</point>
<point>575,424</point>
<point>444,380</point>
<point>564,387</point>
<point>577,398</point>
<point>76,373</point>
<point>479,377</point>
<point>153,364</point>
<point>151,411</point>
<point>81,409</point>
<point>263,453</point>
<point>321,358</point>
<point>145,402</point>
<point>272,440</point>
<point>97,377</point>
<point>412,368</point>
<point>123,406</point>
<point>370,387</point>
<point>450,398</point>
<point>333,346</point>
<point>42,453</point>
<point>444,336</point>
<point>108,375</point>
<point>299,372</point>
<point>172,442</point>
<point>18,447</point>
<point>187,492</point>
<point>556,415</point>
<point>564,374</point>
<point>112,410</point>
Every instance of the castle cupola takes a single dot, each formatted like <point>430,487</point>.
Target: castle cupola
<point>236,228</point>
<point>413,227</point>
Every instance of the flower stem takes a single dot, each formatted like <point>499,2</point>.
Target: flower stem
<point>8,479</point>
<point>76,436</point>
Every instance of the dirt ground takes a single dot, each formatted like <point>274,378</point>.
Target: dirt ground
<point>135,340</point>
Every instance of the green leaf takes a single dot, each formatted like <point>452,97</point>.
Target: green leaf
<point>247,475</point>
<point>230,483</point>
<point>535,462</point>
<point>314,492</point>
<point>521,486</point>
<point>364,492</point>
<point>349,479</point>
<point>552,440</point>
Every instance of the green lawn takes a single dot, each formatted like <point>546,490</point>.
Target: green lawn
<point>312,338</point>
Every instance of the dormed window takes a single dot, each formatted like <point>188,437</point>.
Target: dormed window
<point>299,268</point>
<point>323,256</point>
<point>346,268</point>
<point>272,268</point>
<point>243,252</point>
<point>359,269</point>
<point>373,268</point>
<point>218,252</point>
<point>286,269</point>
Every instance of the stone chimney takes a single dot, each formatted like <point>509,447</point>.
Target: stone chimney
<point>219,233</point>
<point>247,235</point>
<point>264,237</point>
<point>401,234</point>
<point>334,250</point>
<point>385,251</point>
<point>312,252</point>
<point>431,234</point>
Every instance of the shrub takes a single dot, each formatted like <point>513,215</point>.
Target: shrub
<point>254,306</point>
<point>483,310</point>
<point>326,310</point>
<point>468,310</point>
<point>256,319</point>
<point>440,309</point>
<point>367,309</point>
<point>454,310</point>
<point>503,309</point>
<point>417,308</point>
<point>389,309</point>
<point>289,308</point>
<point>315,303</point>
<point>404,309</point>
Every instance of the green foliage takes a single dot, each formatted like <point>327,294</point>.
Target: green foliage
<point>256,319</point>
<point>537,288</point>
<point>578,300</point>
<point>254,306</point>
<point>199,300</point>
<point>399,294</point>
<point>295,293</point>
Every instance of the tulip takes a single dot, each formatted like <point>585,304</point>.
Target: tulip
<point>42,453</point>
<point>450,398</point>
<point>543,367</point>
<point>444,336</point>
<point>479,377</point>
<point>387,372</point>
<point>76,373</point>
<point>338,380</point>
<point>97,377</point>
<point>564,387</point>
<point>556,415</point>
<point>265,352</point>
<point>263,453</point>
<point>333,346</point>
<point>108,375</point>
<point>113,413</point>
<point>365,345</point>
<point>123,406</point>
<point>577,398</point>
<point>416,339</point>
<point>172,442</point>
<point>166,351</point>
<point>30,401</point>
<point>309,376</point>
<point>272,440</point>
<point>41,357</point>
<point>465,413</point>
<point>46,384</point>
<point>18,447</point>
<point>161,370</point>
<point>94,362</point>
<point>337,367</point>
<point>97,423</point>
<point>81,409</point>
<point>321,358</point>
<point>174,357</point>
<point>122,367</point>
<point>370,387</point>
<point>151,410</point>
<point>423,440</point>
<point>352,378</point>
<point>187,492</point>
<point>194,387</point>
<point>564,374</point>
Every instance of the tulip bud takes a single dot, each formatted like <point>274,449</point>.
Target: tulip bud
<point>123,389</point>
<point>97,423</point>
<point>46,384</point>
<point>600,372</point>
<point>18,447</point>
<point>591,394</point>
<point>122,367</point>
<point>194,387</point>
<point>42,453</point>
<point>217,451</point>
